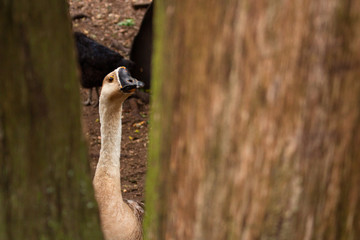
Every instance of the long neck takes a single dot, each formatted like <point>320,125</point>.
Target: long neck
<point>110,119</point>
<point>107,175</point>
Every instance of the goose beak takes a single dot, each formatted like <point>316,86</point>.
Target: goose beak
<point>128,84</point>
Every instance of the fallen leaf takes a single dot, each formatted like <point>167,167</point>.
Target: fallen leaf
<point>139,124</point>
<point>129,22</point>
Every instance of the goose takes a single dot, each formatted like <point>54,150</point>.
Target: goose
<point>120,219</point>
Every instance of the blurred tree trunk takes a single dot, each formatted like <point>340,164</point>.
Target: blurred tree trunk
<point>256,120</point>
<point>45,184</point>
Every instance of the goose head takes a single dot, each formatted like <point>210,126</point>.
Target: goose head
<point>118,85</point>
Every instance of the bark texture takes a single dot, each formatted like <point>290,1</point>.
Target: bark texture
<point>45,184</point>
<point>255,121</point>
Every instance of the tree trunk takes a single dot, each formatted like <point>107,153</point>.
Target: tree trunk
<point>255,120</point>
<point>45,184</point>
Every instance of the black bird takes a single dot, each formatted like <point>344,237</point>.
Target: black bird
<point>96,61</point>
<point>141,49</point>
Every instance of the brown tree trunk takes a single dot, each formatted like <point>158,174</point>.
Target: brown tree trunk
<point>45,184</point>
<point>256,121</point>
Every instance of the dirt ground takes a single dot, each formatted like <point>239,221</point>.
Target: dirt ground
<point>99,20</point>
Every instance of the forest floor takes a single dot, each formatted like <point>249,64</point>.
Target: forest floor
<point>106,22</point>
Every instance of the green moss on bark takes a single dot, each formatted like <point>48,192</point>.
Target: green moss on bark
<point>45,186</point>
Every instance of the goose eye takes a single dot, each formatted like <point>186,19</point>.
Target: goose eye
<point>111,79</point>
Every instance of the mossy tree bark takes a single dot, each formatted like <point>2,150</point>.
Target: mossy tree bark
<point>255,120</point>
<point>45,183</point>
